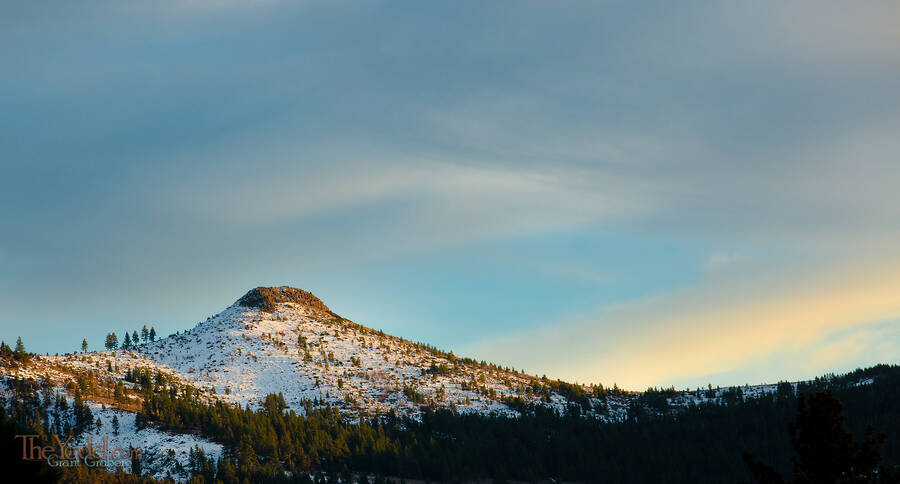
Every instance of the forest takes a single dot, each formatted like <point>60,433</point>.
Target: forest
<point>736,440</point>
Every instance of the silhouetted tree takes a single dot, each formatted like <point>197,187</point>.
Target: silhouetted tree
<point>31,471</point>
<point>825,451</point>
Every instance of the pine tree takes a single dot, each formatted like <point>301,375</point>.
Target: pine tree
<point>84,346</point>
<point>825,451</point>
<point>127,343</point>
<point>115,424</point>
<point>135,338</point>
<point>145,334</point>
<point>112,341</point>
<point>152,334</point>
<point>136,462</point>
<point>119,393</point>
<point>19,353</point>
<point>83,415</point>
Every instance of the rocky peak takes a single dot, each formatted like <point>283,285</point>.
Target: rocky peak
<point>268,298</point>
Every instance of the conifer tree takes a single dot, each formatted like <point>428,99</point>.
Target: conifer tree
<point>136,462</point>
<point>127,343</point>
<point>19,353</point>
<point>83,416</point>
<point>84,346</point>
<point>145,334</point>
<point>825,451</point>
<point>135,339</point>
<point>112,341</point>
<point>152,334</point>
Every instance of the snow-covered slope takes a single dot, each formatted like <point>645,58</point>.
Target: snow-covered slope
<point>306,352</point>
<point>285,340</point>
<point>164,454</point>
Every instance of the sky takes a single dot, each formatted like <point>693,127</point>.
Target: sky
<point>660,194</point>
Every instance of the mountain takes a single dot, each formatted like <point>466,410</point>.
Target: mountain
<point>286,340</point>
<point>278,386</point>
<point>278,340</point>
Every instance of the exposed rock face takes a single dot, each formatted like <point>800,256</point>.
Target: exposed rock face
<point>268,298</point>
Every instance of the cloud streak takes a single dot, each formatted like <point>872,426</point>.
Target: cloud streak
<point>722,327</point>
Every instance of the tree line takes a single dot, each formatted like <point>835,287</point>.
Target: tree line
<point>771,438</point>
<point>702,443</point>
<point>129,340</point>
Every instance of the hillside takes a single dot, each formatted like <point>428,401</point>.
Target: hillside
<point>285,340</point>
<point>290,372</point>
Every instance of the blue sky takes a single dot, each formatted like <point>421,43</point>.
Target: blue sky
<point>606,192</point>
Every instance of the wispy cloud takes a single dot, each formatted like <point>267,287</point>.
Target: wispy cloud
<point>809,318</point>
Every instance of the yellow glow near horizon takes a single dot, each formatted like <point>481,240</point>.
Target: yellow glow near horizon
<point>720,327</point>
<point>722,335</point>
